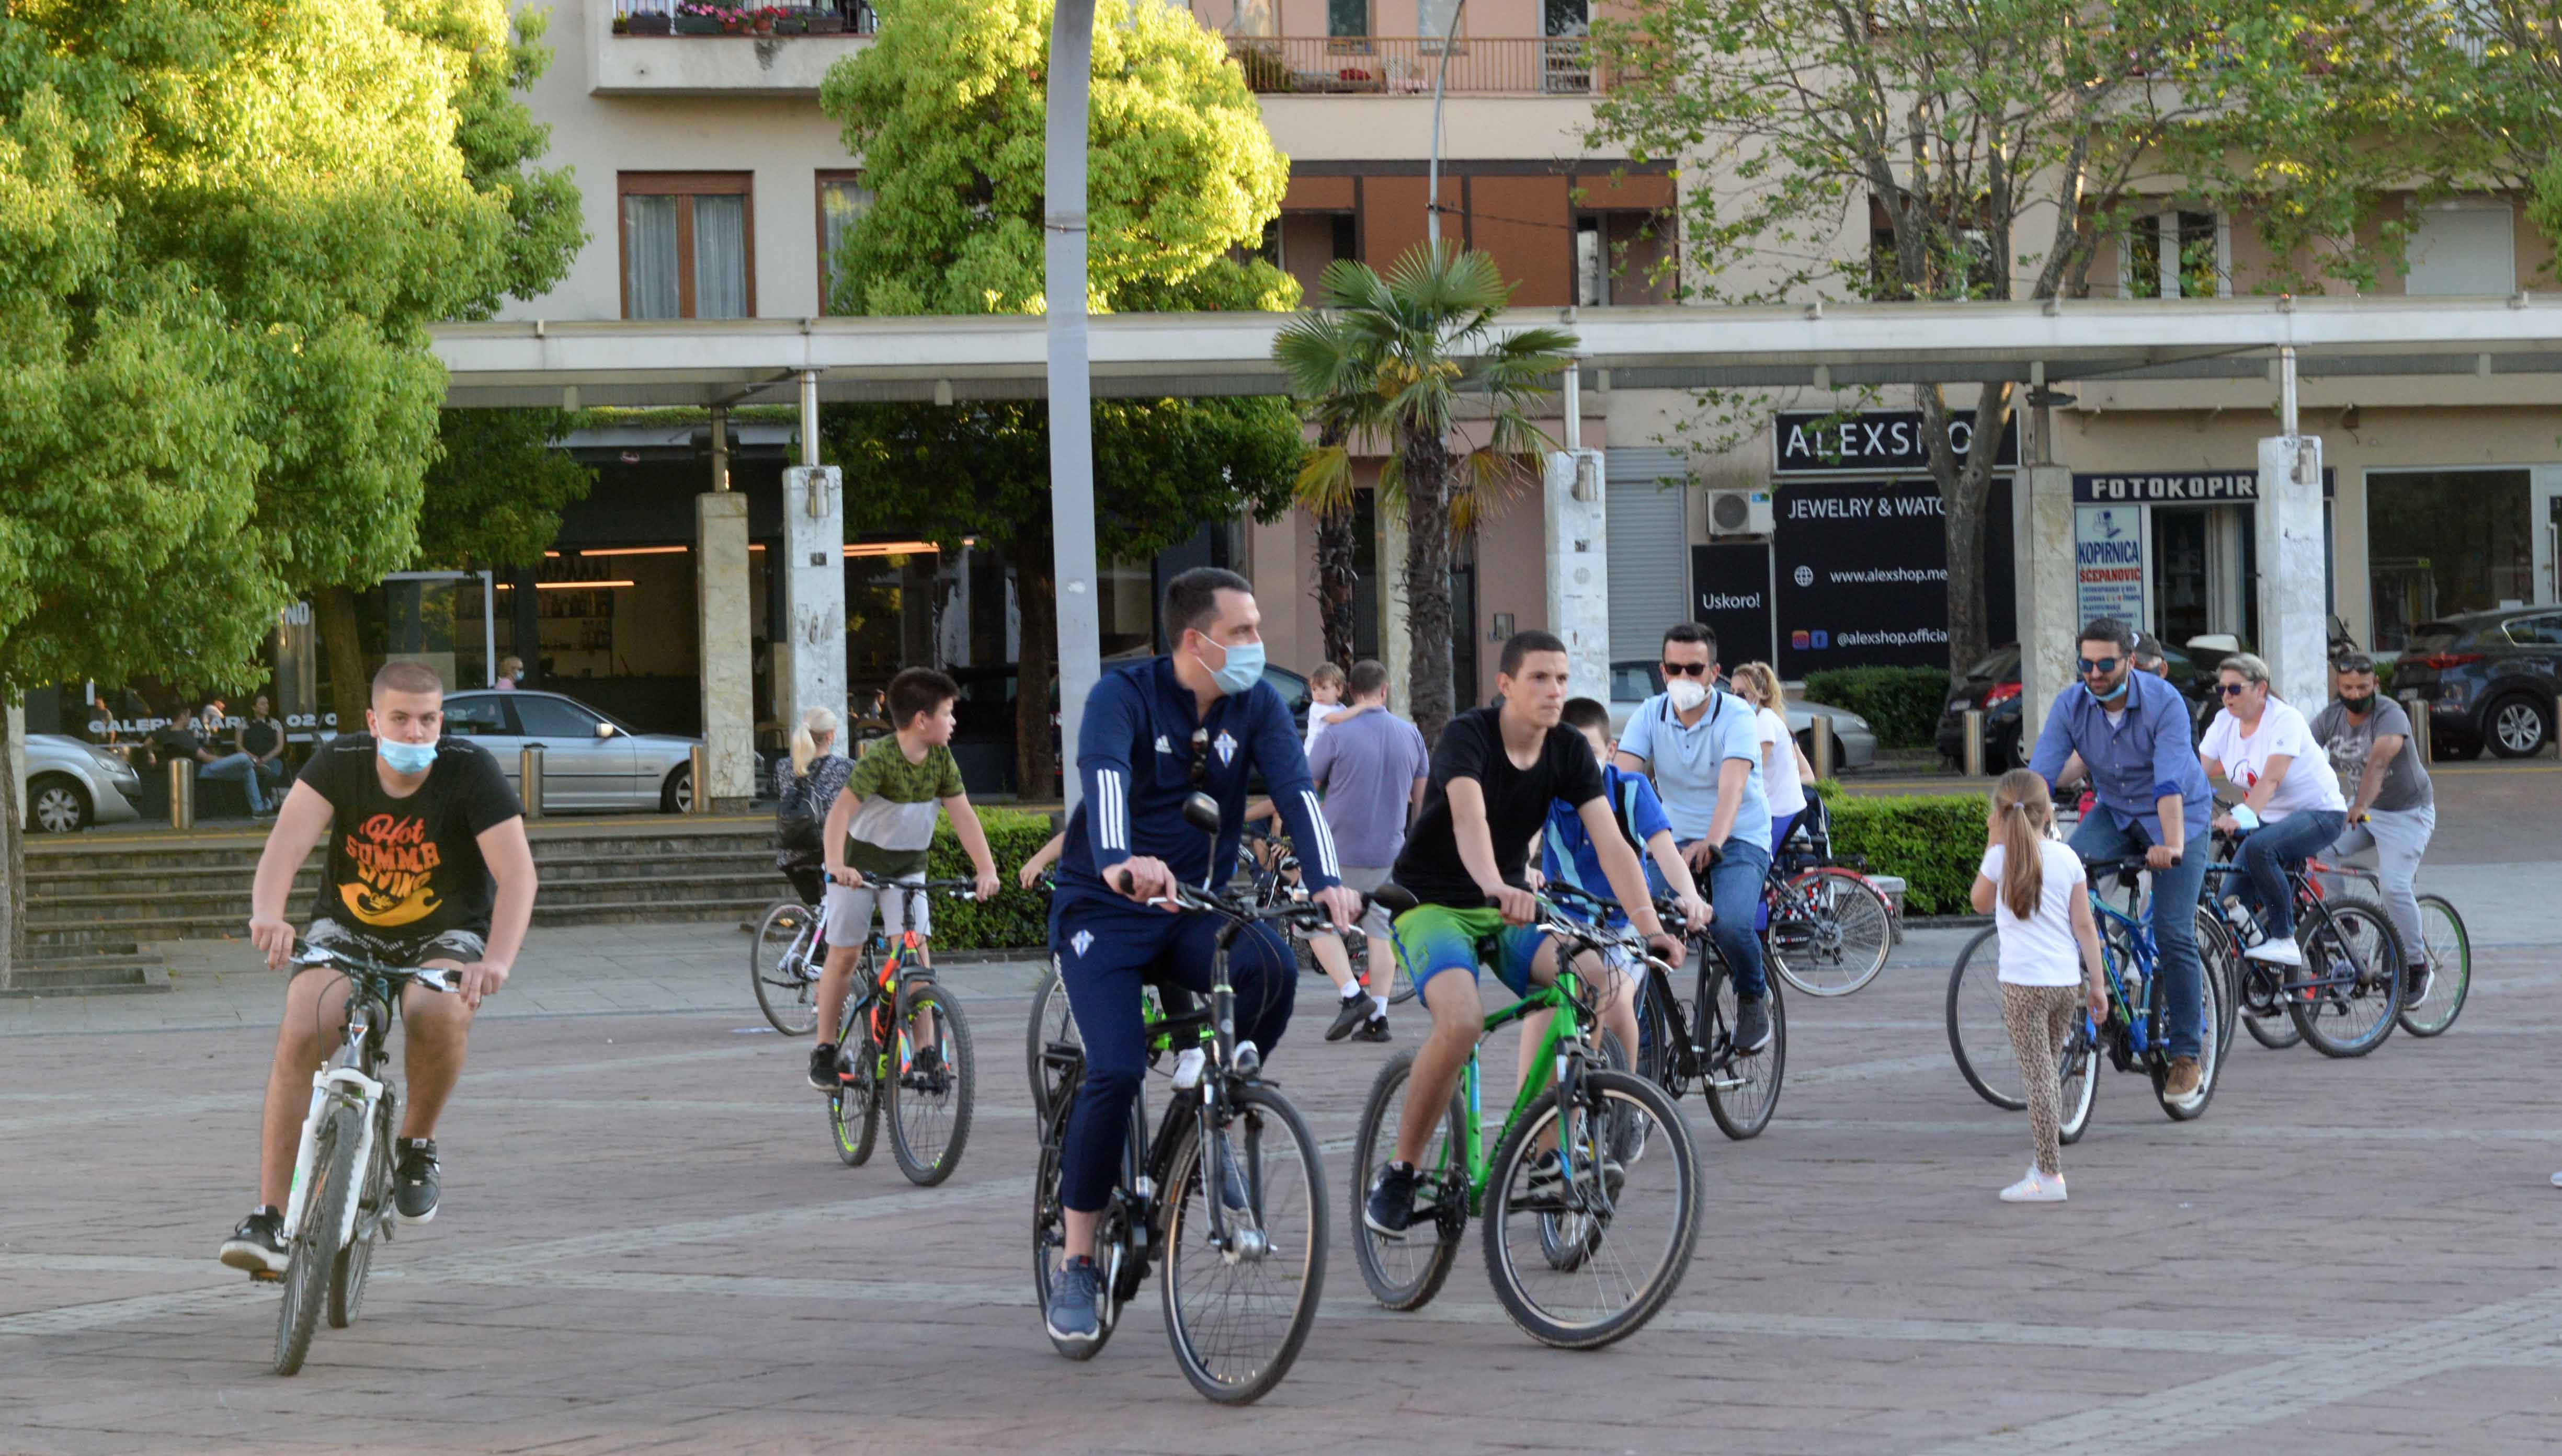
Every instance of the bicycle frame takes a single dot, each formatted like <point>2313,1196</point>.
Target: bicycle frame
<point>1551,1065</point>
<point>2147,955</point>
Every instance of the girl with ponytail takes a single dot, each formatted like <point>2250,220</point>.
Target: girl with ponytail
<point>802,796</point>
<point>2032,886</point>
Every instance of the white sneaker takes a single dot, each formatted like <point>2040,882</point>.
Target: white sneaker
<point>2036,1187</point>
<point>2557,1180</point>
<point>2277,950</point>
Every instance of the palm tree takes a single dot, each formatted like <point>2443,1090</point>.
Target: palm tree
<point>1396,358</point>
<point>1325,371</point>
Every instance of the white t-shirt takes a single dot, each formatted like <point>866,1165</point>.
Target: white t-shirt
<point>1779,782</point>
<point>2040,951</point>
<point>2309,783</point>
<point>1316,724</point>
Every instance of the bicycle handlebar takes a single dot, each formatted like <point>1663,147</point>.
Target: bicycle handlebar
<point>434,977</point>
<point>1306,914</point>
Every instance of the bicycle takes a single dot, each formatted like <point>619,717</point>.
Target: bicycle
<point>2346,996</point>
<point>1271,863</point>
<point>1678,1045</point>
<point>2135,1039</point>
<point>342,1167</point>
<point>783,962</point>
<point>1569,1218</point>
<point>904,1039</point>
<point>1829,927</point>
<point>2445,944</point>
<point>1273,1243</point>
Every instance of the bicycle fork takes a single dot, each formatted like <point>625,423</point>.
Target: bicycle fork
<point>333,1087</point>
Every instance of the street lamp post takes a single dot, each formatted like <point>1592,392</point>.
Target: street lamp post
<point>1071,412</point>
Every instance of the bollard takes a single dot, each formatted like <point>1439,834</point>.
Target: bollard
<point>529,781</point>
<point>1821,757</point>
<point>699,766</point>
<point>182,794</point>
<point>2422,730</point>
<point>1974,743</point>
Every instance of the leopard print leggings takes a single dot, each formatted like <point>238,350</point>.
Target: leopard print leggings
<point>2040,1022</point>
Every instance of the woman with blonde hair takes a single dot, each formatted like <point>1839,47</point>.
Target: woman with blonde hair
<point>1784,770</point>
<point>2032,883</point>
<point>817,773</point>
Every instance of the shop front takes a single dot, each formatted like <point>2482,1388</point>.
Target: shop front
<point>2176,552</point>
<point>2442,541</point>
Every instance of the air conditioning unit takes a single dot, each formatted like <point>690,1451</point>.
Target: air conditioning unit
<point>1738,513</point>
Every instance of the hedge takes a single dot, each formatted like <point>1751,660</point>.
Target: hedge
<point>1016,918</point>
<point>1933,844</point>
<point>1903,704</point>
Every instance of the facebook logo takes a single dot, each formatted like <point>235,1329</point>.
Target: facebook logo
<point>1823,639</point>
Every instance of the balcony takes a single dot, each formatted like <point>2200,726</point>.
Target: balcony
<point>665,48</point>
<point>1407,65</point>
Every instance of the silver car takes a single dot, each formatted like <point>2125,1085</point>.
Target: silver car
<point>1854,742</point>
<point>589,761</point>
<point>73,785</point>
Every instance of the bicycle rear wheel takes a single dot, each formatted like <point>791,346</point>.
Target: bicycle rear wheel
<point>779,968</point>
<point>1404,1273</point>
<point>2219,954</point>
<point>1637,1222</point>
<point>2348,995</point>
<point>2264,1005</point>
<point>1238,1316</point>
<point>2447,948</point>
<point>314,1250</point>
<point>1744,1089</point>
<point>933,1074</point>
<point>1838,938</point>
<point>373,1204</point>
<point>1976,1035</point>
<point>1052,1023</point>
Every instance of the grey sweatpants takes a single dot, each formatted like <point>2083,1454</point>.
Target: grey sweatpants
<point>2399,837</point>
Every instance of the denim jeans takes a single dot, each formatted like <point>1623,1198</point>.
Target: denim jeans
<point>1733,889</point>
<point>244,768</point>
<point>2269,850</point>
<point>2174,921</point>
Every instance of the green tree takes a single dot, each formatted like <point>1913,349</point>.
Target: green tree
<point>1992,149</point>
<point>225,227</point>
<point>1412,356</point>
<point>946,111</point>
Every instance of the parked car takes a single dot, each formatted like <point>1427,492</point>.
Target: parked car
<point>1854,742</point>
<point>2490,680</point>
<point>1992,687</point>
<point>590,760</point>
<point>73,785</point>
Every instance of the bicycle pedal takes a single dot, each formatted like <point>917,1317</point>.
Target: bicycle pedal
<point>265,1276</point>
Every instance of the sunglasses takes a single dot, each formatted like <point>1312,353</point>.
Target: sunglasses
<point>2100,664</point>
<point>1685,669</point>
<point>2231,689</point>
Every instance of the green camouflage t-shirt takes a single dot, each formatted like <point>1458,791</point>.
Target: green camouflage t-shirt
<point>895,803</point>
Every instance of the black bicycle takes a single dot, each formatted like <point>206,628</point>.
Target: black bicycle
<point>1243,1268</point>
<point>2347,995</point>
<point>902,1042</point>
<point>1681,1043</point>
<point>1272,866</point>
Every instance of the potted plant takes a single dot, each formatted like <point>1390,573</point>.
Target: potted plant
<point>792,23</point>
<point>623,25</point>
<point>649,23</point>
<point>827,21</point>
<point>699,19</point>
<point>760,21</point>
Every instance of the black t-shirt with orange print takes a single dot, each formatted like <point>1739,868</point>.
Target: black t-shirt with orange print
<point>408,868</point>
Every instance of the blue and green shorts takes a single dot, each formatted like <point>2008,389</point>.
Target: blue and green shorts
<point>1431,938</point>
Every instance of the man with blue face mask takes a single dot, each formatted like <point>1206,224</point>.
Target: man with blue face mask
<point>2131,730</point>
<point>427,867</point>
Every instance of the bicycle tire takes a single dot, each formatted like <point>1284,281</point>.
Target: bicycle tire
<point>313,1253</point>
<point>2219,954</point>
<point>1620,1094</point>
<point>348,1269</point>
<point>2276,1028</point>
<point>2342,931</point>
<point>1049,1233</point>
<point>1974,991</point>
<point>2079,1074</point>
<point>1258,1110</point>
<point>787,1001</point>
<point>1399,1288</point>
<point>1655,1061</point>
<point>2449,948</point>
<point>1052,1020</point>
<point>2210,1059</point>
<point>1401,987</point>
<point>1854,926</point>
<point>913,1110</point>
<point>1743,1111</point>
<point>853,1109</point>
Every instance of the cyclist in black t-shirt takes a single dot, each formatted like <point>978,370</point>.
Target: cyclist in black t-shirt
<point>427,867</point>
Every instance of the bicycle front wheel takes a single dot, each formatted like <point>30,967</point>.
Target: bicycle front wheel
<point>2078,1070</point>
<point>779,968</point>
<point>853,1109</point>
<point>313,1252</point>
<point>1241,1288</point>
<point>1976,1035</point>
<point>1053,1028</point>
<point>2348,995</point>
<point>1836,936</point>
<point>1404,1272</point>
<point>1634,1224</point>
<point>932,1074</point>
<point>2447,948</point>
<point>1743,1087</point>
<point>373,1204</point>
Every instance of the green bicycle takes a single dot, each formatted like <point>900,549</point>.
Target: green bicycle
<point>1592,1195</point>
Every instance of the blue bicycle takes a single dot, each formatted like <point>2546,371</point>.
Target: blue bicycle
<point>2135,1038</point>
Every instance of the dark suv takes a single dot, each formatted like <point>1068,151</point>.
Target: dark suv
<point>1992,687</point>
<point>2490,680</point>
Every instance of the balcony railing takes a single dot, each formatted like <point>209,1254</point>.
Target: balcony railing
<point>694,18</point>
<point>1555,66</point>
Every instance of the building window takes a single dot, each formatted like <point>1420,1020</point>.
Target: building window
<point>688,245</point>
<point>1269,250</point>
<point>843,199</point>
<point>2463,249</point>
<point>1347,17</point>
<point>2176,255</point>
<point>1439,19</point>
<point>1591,262</point>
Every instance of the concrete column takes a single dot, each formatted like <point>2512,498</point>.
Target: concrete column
<point>814,589</point>
<point>1397,649</point>
<point>1578,559</point>
<point>728,668</point>
<point>18,760</point>
<point>2295,606</point>
<point>2048,594</point>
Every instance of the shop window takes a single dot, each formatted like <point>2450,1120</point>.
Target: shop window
<point>2442,542</point>
<point>843,201</point>
<point>2175,255</point>
<point>2461,251</point>
<point>688,245</point>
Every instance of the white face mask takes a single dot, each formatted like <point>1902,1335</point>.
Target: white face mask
<point>1685,693</point>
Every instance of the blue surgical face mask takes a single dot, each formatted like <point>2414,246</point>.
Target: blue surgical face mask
<point>2114,694</point>
<point>407,758</point>
<point>1242,669</point>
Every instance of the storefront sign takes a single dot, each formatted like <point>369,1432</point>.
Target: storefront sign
<point>1862,576</point>
<point>1731,595</point>
<point>1819,442</point>
<point>2175,487</point>
<point>2108,563</point>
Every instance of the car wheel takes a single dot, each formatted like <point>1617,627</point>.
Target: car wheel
<point>56,805</point>
<point>676,796</point>
<point>2517,727</point>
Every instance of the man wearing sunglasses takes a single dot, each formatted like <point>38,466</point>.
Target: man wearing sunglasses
<point>2131,730</point>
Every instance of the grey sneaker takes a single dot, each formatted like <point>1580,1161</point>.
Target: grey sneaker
<point>1076,1311</point>
<point>1751,1026</point>
<point>1389,1209</point>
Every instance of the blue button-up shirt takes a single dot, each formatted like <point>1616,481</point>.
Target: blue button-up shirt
<point>2147,753</point>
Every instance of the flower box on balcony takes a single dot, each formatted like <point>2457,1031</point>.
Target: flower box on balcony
<point>697,25</point>
<point>792,23</point>
<point>826,21</point>
<point>649,23</point>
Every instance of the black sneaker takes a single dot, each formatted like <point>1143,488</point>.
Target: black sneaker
<point>1075,1303</point>
<point>1374,1029</point>
<point>1352,1015</point>
<point>823,1067</point>
<point>258,1245</point>
<point>2416,981</point>
<point>1389,1209</point>
<point>414,1185</point>
<point>1751,1026</point>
